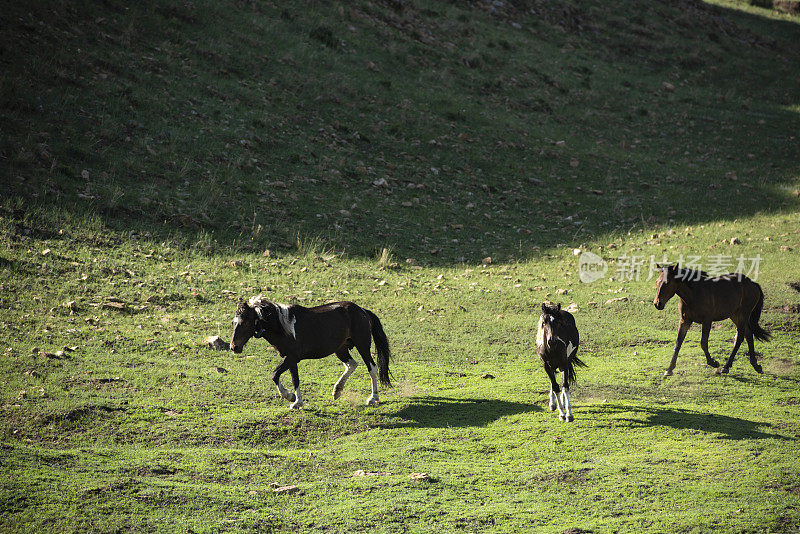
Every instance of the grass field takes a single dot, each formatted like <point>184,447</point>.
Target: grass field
<point>443,164</point>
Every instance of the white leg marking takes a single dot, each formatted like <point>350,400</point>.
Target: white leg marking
<point>373,375</point>
<point>349,366</point>
<point>571,348</point>
<point>567,405</point>
<point>561,414</point>
<point>296,405</point>
<point>552,400</point>
<point>284,392</point>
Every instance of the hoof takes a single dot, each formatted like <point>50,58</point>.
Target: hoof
<point>562,417</point>
<point>296,405</point>
<point>337,393</point>
<point>570,418</point>
<point>758,369</point>
<point>372,401</point>
<point>723,370</point>
<point>291,397</point>
<point>552,407</point>
<point>667,373</point>
<point>713,363</point>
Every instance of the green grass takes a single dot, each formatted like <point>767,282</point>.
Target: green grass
<point>159,162</point>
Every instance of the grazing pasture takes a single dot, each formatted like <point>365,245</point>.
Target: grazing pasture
<point>448,166</point>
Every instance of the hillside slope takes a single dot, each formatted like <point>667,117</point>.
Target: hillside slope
<point>523,121</point>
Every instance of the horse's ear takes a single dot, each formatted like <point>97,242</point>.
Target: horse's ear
<point>544,307</point>
<point>558,306</point>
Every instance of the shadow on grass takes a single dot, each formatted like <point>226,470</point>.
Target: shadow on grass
<point>727,427</point>
<point>444,412</point>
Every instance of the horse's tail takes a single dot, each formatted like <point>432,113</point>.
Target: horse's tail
<point>569,372</point>
<point>758,332</point>
<point>382,349</point>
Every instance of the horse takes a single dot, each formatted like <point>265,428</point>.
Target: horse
<point>300,333</point>
<point>704,300</point>
<point>557,343</point>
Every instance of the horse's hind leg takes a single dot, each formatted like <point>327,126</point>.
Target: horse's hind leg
<point>349,366</point>
<point>704,344</point>
<point>297,404</point>
<point>729,363</point>
<point>363,350</point>
<point>683,327</point>
<point>752,352</point>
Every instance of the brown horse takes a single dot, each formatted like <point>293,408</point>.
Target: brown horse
<point>704,300</point>
<point>300,333</point>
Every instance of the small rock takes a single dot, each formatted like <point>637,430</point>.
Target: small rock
<point>487,260</point>
<point>237,263</point>
<point>576,252</point>
<point>45,252</point>
<point>215,343</point>
<point>668,87</point>
<point>561,291</point>
<point>286,489</point>
<point>220,370</point>
<point>487,376</point>
<point>735,241</point>
<point>572,308</point>
<point>380,182</point>
<point>419,476</point>
<point>618,299</point>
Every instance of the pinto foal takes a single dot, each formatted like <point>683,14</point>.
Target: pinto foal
<point>557,344</point>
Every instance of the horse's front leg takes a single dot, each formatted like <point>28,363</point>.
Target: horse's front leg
<point>297,404</point>
<point>683,327</point>
<point>555,398</point>
<point>565,400</point>
<point>276,377</point>
<point>704,344</point>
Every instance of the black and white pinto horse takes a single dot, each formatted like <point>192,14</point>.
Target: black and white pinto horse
<point>557,344</point>
<point>300,333</point>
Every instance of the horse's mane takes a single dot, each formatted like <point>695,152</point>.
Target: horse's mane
<point>691,275</point>
<point>285,317</point>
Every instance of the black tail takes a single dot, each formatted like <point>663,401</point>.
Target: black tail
<point>758,332</point>
<point>382,349</point>
<point>569,372</point>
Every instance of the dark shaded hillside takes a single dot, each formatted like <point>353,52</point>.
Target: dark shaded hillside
<point>445,130</point>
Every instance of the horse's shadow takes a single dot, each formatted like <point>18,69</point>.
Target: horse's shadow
<point>733,428</point>
<point>444,412</point>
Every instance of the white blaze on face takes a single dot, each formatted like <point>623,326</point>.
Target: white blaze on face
<point>542,333</point>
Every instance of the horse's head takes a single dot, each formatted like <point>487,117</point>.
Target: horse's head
<point>244,326</point>
<point>549,323</point>
<point>666,285</point>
